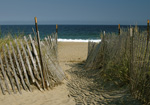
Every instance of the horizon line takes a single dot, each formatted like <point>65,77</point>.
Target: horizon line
<point>82,24</point>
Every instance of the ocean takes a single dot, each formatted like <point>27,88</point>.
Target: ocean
<point>66,33</point>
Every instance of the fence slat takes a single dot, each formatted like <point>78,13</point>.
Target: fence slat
<point>32,60</point>
<point>8,71</point>
<point>34,34</point>
<point>18,66</point>
<point>46,41</point>
<point>56,49</point>
<point>2,88</point>
<point>34,65</point>
<point>37,58</point>
<point>49,41</point>
<point>27,61</point>
<point>16,79</point>
<point>23,66</point>
<point>4,75</point>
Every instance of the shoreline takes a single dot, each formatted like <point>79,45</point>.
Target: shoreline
<point>79,40</point>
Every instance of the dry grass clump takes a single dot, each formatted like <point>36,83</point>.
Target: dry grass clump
<point>7,39</point>
<point>124,60</point>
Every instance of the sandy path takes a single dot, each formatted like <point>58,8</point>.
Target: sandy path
<point>83,85</point>
<point>72,52</point>
<point>86,91</point>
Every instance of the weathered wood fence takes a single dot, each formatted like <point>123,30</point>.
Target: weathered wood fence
<point>124,58</point>
<point>21,67</point>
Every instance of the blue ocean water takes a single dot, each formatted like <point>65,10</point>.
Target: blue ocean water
<point>65,32</point>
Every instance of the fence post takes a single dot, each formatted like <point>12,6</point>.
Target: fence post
<point>40,54</point>
<point>56,28</point>
<point>104,47</point>
<point>147,41</point>
<point>56,37</point>
<point>118,29</point>
<point>131,59</point>
<point>148,27</point>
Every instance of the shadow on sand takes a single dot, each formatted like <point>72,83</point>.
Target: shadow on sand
<point>88,88</point>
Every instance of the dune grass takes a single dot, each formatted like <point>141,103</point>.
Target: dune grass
<point>124,60</point>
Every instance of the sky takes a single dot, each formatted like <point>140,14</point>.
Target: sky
<point>91,12</point>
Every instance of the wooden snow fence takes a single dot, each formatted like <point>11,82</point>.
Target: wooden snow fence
<point>124,59</point>
<point>20,66</point>
<point>99,54</point>
<point>94,53</point>
<point>93,50</point>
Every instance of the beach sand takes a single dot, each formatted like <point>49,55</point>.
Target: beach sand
<point>72,51</point>
<point>81,86</point>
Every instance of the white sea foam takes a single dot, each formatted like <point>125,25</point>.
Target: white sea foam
<point>78,40</point>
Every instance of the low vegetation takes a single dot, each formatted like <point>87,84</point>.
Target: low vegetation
<point>124,60</point>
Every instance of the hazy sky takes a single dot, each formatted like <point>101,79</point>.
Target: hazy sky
<point>75,11</point>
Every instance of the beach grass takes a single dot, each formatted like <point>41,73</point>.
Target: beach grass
<point>124,60</point>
